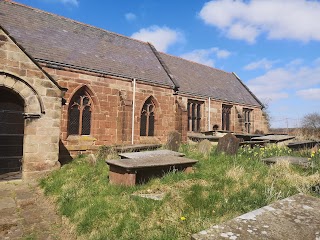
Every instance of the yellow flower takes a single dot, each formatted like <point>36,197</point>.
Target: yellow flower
<point>182,218</point>
<point>309,159</point>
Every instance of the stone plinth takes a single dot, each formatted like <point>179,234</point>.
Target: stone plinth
<point>139,170</point>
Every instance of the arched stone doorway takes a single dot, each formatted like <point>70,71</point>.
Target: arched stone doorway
<point>11,133</point>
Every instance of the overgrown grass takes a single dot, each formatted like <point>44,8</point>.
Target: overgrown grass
<point>222,187</point>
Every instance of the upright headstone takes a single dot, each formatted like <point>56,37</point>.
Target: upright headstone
<point>173,141</point>
<point>204,147</point>
<point>228,144</point>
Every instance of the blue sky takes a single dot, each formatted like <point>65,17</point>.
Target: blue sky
<point>272,45</point>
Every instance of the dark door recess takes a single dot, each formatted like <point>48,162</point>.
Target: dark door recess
<point>11,133</point>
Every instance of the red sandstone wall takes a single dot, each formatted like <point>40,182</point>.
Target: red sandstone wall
<point>112,114</point>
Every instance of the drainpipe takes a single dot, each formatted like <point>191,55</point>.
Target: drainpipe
<point>209,111</point>
<point>133,108</point>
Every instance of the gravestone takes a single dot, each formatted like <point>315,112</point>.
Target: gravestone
<point>204,147</point>
<point>173,141</point>
<point>228,144</point>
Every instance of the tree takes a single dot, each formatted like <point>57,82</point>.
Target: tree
<point>311,125</point>
<point>266,112</point>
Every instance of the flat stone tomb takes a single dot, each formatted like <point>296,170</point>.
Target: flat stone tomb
<point>274,138</point>
<point>139,170</point>
<point>301,161</point>
<point>296,217</point>
<point>155,153</point>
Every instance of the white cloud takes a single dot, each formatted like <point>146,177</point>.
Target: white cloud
<point>206,56</point>
<point>310,94</point>
<point>246,20</point>
<point>222,53</point>
<point>161,37</point>
<point>261,64</point>
<point>130,16</point>
<point>281,82</point>
<point>71,2</point>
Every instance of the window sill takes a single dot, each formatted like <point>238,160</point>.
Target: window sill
<point>81,138</point>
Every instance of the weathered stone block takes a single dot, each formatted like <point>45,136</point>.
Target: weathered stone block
<point>9,82</point>
<point>204,147</point>
<point>228,144</point>
<point>173,141</point>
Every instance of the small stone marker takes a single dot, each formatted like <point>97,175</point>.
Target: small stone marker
<point>228,144</point>
<point>173,141</point>
<point>153,196</point>
<point>204,147</point>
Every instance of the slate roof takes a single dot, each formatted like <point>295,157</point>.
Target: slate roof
<point>53,38</point>
<point>201,80</point>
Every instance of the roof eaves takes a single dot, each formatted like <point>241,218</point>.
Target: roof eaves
<point>60,65</point>
<point>213,98</point>
<point>252,94</point>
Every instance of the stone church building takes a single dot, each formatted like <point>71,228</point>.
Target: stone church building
<point>67,87</point>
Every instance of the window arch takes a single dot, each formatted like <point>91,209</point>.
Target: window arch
<point>80,113</point>
<point>147,118</point>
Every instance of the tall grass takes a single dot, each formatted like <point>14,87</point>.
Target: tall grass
<point>222,187</point>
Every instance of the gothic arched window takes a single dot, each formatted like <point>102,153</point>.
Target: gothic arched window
<point>80,112</point>
<point>147,118</point>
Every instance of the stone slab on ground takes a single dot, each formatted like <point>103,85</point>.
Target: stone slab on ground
<point>297,145</point>
<point>150,161</point>
<point>301,161</point>
<point>153,196</point>
<point>274,138</point>
<point>296,217</point>
<point>154,153</point>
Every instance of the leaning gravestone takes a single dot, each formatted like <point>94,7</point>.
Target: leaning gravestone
<point>204,147</point>
<point>173,141</point>
<point>228,144</point>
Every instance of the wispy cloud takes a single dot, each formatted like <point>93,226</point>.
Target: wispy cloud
<point>206,56</point>
<point>130,17</point>
<point>309,94</point>
<point>246,20</point>
<point>260,64</point>
<point>280,82</point>
<point>70,2</point>
<point>161,37</point>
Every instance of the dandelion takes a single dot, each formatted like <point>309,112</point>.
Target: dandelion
<point>183,218</point>
<point>312,154</point>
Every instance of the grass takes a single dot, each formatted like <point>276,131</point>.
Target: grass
<point>222,187</point>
